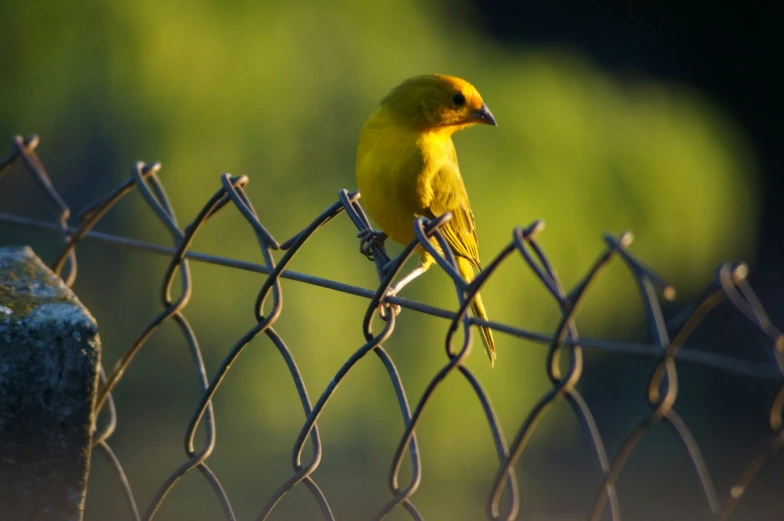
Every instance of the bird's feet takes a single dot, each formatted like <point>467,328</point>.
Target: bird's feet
<point>385,306</point>
<point>369,238</point>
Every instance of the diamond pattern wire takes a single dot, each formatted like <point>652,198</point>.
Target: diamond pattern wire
<point>504,499</point>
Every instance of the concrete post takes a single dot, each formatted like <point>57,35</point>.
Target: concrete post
<point>49,354</point>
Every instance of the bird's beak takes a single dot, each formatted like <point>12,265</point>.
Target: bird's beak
<point>483,115</point>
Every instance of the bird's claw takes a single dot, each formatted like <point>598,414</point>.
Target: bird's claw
<point>369,238</point>
<point>385,305</point>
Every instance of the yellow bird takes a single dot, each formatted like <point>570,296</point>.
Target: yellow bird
<point>407,168</point>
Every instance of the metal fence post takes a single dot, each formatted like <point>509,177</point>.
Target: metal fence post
<point>49,355</point>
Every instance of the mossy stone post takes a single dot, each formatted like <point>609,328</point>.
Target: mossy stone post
<point>49,354</point>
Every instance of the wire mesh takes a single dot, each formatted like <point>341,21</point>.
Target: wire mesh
<point>504,499</point>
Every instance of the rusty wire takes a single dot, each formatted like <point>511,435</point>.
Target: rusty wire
<point>504,498</point>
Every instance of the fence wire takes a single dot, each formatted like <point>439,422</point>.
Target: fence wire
<point>503,501</point>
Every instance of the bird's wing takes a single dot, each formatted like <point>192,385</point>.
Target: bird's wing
<point>449,195</point>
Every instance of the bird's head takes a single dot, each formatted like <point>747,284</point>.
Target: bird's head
<point>437,101</point>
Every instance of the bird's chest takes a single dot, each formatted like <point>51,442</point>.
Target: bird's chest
<point>394,176</point>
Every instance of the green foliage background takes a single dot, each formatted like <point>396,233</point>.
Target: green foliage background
<point>278,91</point>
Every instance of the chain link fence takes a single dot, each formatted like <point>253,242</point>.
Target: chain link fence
<point>565,347</point>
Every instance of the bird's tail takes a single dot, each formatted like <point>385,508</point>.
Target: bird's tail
<point>467,271</point>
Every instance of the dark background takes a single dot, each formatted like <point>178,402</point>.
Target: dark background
<point>728,50</point>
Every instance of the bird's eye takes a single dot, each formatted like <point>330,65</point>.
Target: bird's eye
<point>459,99</point>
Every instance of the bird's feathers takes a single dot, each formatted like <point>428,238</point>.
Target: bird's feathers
<point>478,307</point>
<point>449,195</point>
<point>407,167</point>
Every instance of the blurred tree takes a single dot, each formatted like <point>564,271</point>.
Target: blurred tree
<point>278,91</point>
